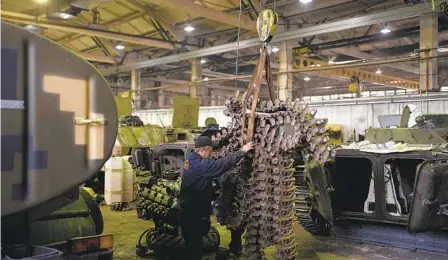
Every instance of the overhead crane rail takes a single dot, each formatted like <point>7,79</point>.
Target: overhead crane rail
<point>301,62</point>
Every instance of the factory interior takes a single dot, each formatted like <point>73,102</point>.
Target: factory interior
<point>224,129</point>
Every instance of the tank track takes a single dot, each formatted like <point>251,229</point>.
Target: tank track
<point>307,217</point>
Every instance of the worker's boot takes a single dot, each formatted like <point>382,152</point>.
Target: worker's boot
<point>236,245</point>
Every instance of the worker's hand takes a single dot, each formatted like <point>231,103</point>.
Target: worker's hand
<point>247,147</point>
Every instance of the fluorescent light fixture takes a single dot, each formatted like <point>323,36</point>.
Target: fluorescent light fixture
<point>119,46</point>
<point>327,87</point>
<point>318,65</point>
<point>307,78</point>
<point>346,62</point>
<point>385,30</point>
<point>331,62</point>
<point>203,61</point>
<point>378,71</point>
<point>64,16</point>
<point>442,49</point>
<point>31,27</point>
<point>275,49</point>
<point>188,28</point>
<point>444,89</point>
<point>306,1</point>
<point>41,1</point>
<point>205,79</point>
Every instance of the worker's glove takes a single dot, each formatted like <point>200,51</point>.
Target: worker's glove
<point>247,147</point>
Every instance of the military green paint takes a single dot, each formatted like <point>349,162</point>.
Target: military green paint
<point>407,135</point>
<point>210,121</point>
<point>315,174</point>
<point>185,112</point>
<point>124,104</point>
<point>149,136</point>
<point>49,231</point>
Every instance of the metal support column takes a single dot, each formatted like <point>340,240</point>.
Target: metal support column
<point>213,98</point>
<point>135,87</point>
<point>196,74</point>
<point>285,81</point>
<point>429,43</point>
<point>160,98</point>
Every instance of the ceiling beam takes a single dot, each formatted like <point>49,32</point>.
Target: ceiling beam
<point>26,19</point>
<point>113,22</point>
<point>396,27</point>
<point>96,57</point>
<point>212,14</point>
<point>182,83</point>
<point>50,7</point>
<point>354,52</point>
<point>360,21</point>
<point>314,6</point>
<point>103,44</point>
<point>151,14</point>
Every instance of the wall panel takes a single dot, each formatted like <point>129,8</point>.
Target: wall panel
<point>354,117</point>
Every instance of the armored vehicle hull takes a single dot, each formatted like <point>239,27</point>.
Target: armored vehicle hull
<point>388,198</point>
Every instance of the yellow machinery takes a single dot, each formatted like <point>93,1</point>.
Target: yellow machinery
<point>334,133</point>
<point>267,25</point>
<point>355,86</point>
<point>124,103</point>
<point>185,112</point>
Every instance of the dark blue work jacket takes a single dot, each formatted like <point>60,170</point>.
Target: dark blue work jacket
<point>197,176</point>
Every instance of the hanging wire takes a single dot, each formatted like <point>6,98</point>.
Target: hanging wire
<point>238,44</point>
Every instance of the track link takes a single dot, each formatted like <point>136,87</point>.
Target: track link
<point>307,217</point>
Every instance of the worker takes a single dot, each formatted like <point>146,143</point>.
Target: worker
<point>196,192</point>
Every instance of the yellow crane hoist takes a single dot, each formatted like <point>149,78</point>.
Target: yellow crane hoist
<point>267,25</point>
<point>355,86</point>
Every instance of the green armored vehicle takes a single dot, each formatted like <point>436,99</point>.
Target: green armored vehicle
<point>390,189</point>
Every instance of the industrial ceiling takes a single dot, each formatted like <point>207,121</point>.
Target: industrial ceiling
<point>160,36</point>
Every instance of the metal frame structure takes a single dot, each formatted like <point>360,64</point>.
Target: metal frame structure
<point>367,20</point>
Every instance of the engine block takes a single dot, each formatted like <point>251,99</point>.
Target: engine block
<point>158,199</point>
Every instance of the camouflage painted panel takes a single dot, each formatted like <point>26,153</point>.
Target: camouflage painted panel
<point>126,137</point>
<point>149,135</point>
<point>407,135</point>
<point>60,86</point>
<point>185,112</point>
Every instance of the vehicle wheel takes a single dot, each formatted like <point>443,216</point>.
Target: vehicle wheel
<point>168,243</point>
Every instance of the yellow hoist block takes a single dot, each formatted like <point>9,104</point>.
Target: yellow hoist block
<point>355,85</point>
<point>267,25</point>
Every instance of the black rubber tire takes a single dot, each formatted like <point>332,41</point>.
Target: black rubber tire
<point>168,243</point>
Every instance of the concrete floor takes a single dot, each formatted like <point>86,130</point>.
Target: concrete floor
<point>126,228</point>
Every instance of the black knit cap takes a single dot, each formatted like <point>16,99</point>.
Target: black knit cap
<point>204,141</point>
